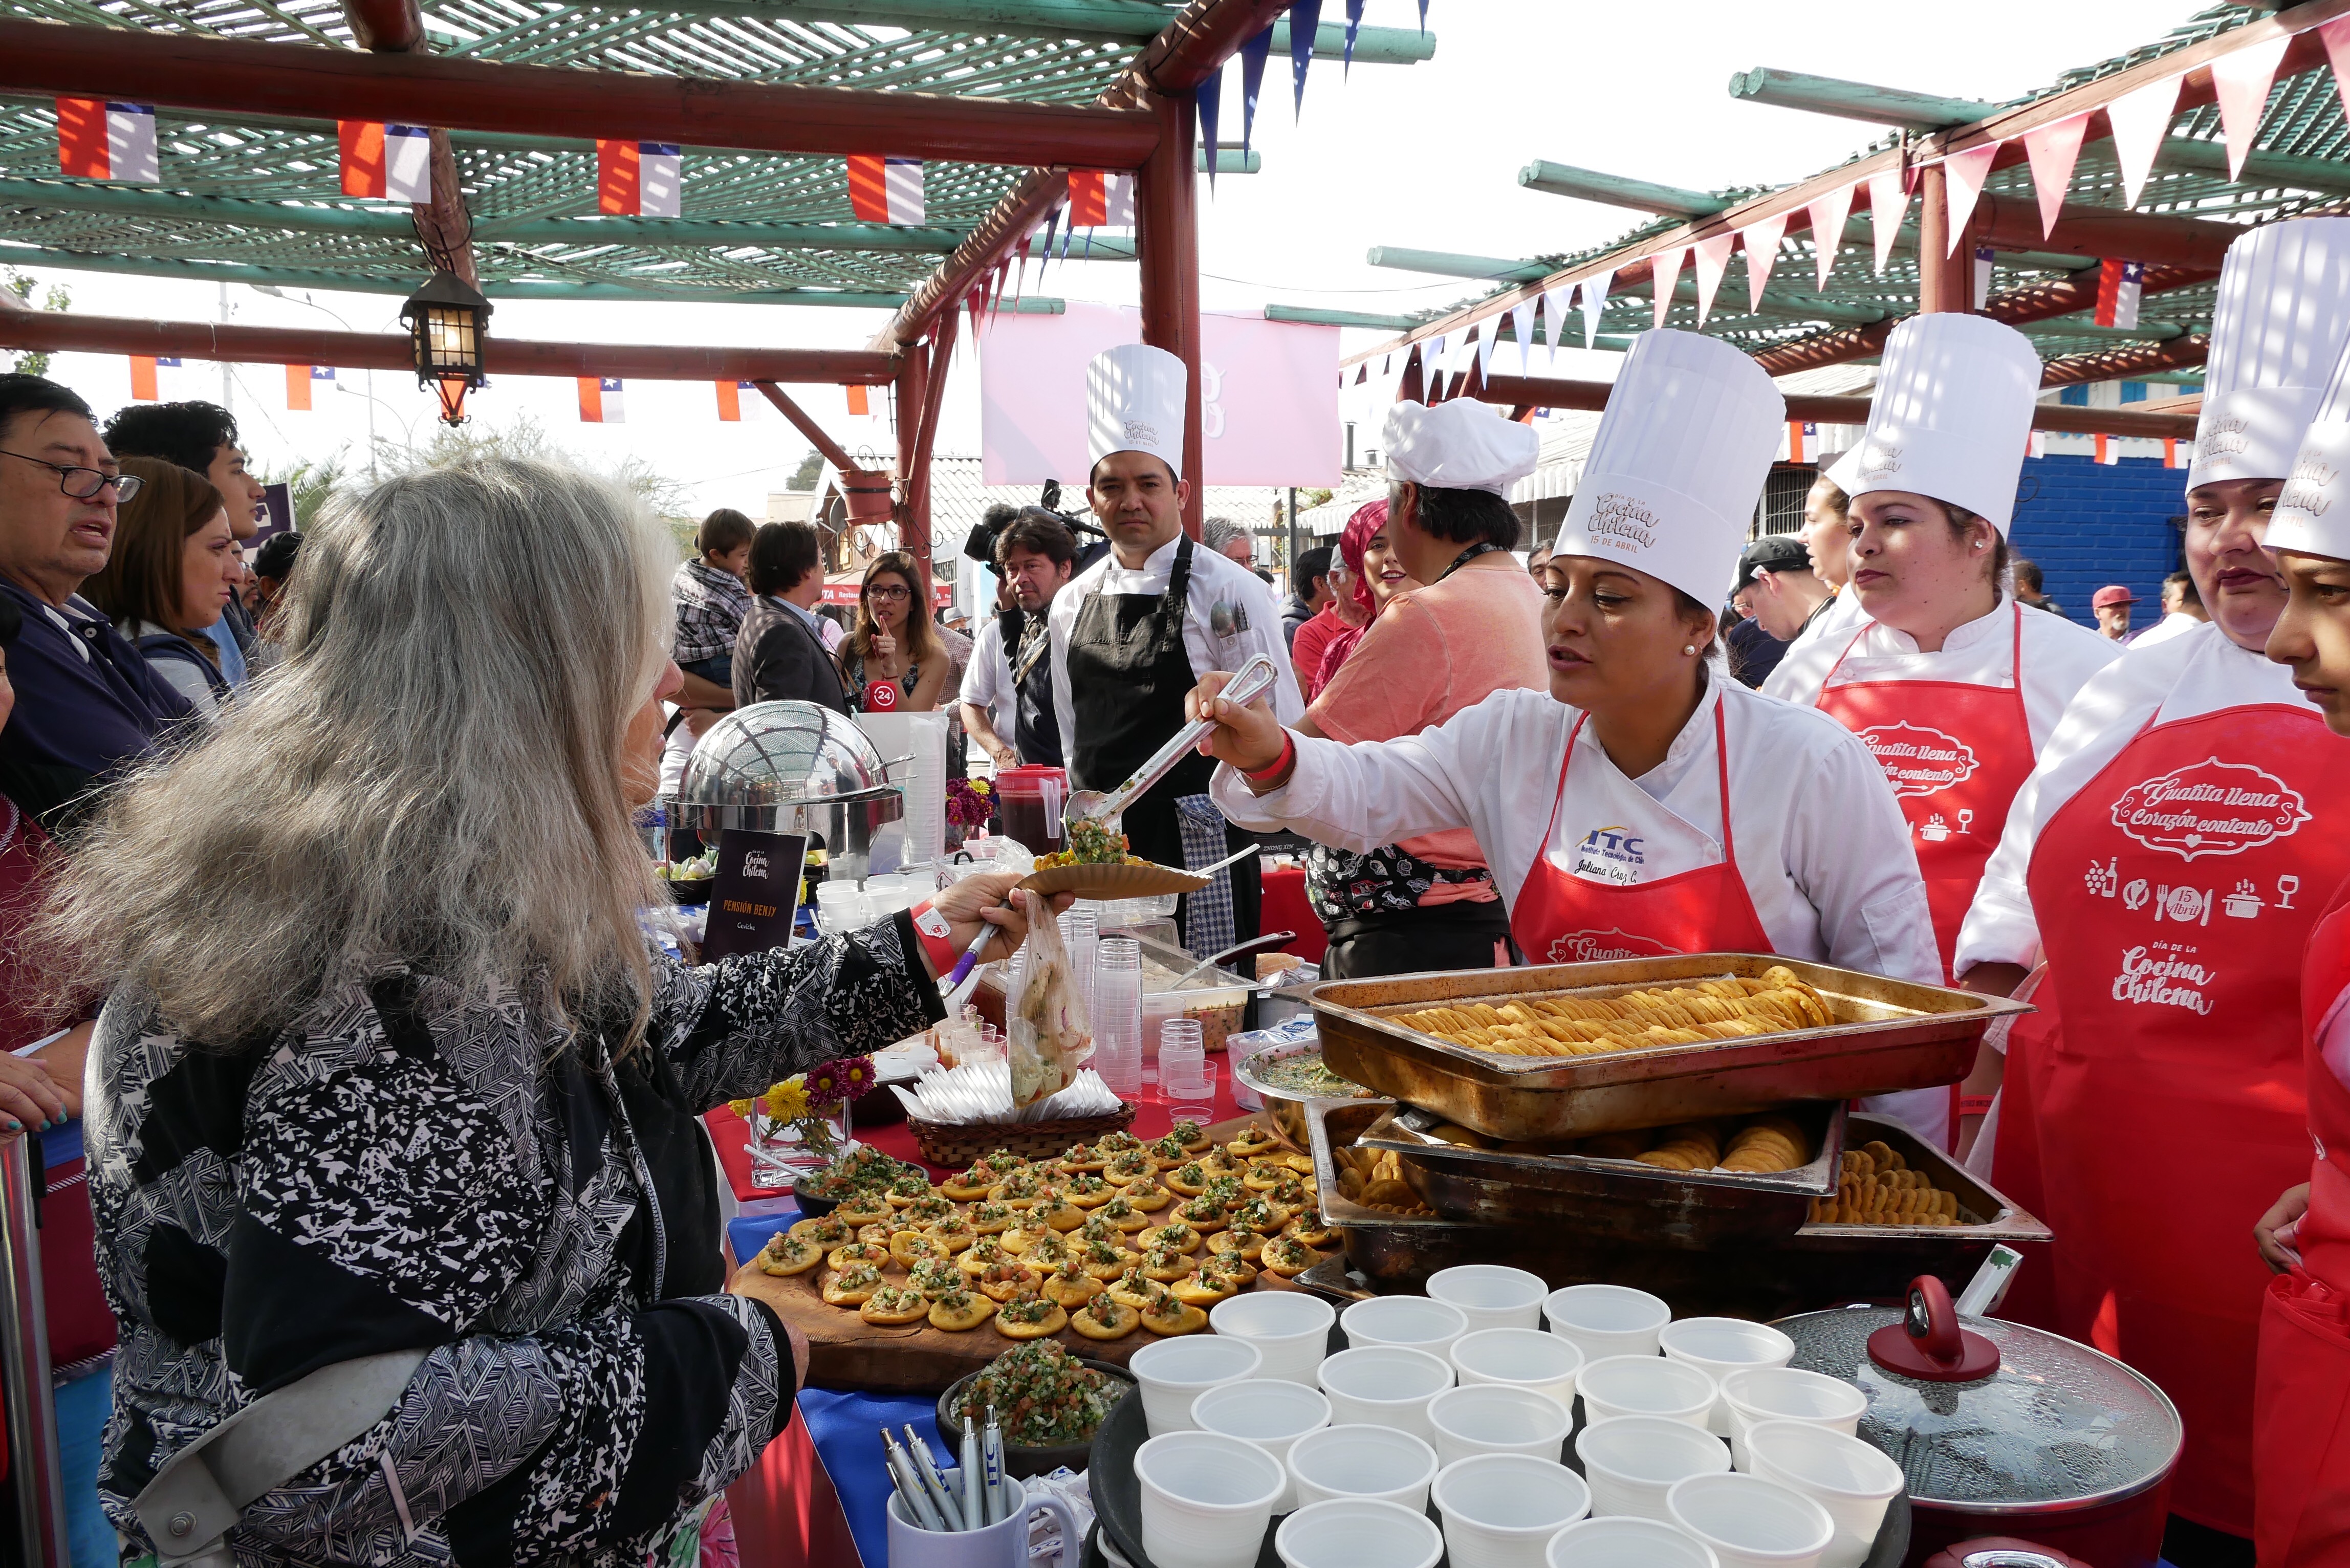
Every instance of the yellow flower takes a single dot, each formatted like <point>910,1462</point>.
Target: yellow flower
<point>740,1107</point>
<point>787,1101</point>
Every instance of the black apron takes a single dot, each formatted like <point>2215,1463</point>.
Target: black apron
<point>1035,723</point>
<point>1127,677</point>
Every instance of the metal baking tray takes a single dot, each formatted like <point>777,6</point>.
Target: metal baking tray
<point>1890,1035</point>
<point>1818,1266</point>
<point>1621,1199</point>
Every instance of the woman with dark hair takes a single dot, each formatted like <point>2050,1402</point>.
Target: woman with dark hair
<point>780,654</point>
<point>174,568</point>
<point>1644,802</point>
<point>894,657</point>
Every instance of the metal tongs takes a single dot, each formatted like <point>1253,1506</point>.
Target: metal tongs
<point>1255,678</point>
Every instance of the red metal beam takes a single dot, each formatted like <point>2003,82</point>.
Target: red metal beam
<point>62,332</point>
<point>1017,213</point>
<point>2012,222</point>
<point>1557,392</point>
<point>2133,360</point>
<point>912,393</point>
<point>1167,234</point>
<point>938,359</point>
<point>1946,262</point>
<point>831,449</point>
<point>1202,38</point>
<point>186,70</point>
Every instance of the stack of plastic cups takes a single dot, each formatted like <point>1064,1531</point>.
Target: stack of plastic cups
<point>1184,1082</point>
<point>1117,1016</point>
<point>1081,936</point>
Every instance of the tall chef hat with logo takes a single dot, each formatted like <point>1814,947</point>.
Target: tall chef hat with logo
<point>2277,327</point>
<point>1670,483</point>
<point>2312,511</point>
<point>1134,402</point>
<point>1952,416</point>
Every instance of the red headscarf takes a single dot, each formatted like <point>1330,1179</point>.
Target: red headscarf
<point>1366,520</point>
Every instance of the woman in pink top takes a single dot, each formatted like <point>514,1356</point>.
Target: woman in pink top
<point>1474,628</point>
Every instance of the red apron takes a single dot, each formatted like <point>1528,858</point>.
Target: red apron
<point>1559,918</point>
<point>2300,1398</point>
<point>2175,893</point>
<point>1955,753</point>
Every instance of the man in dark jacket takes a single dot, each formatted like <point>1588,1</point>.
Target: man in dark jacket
<point>779,654</point>
<point>1309,591</point>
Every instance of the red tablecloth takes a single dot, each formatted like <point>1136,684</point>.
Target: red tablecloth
<point>1285,909</point>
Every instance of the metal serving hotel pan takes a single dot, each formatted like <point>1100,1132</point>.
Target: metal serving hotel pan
<point>1889,1035</point>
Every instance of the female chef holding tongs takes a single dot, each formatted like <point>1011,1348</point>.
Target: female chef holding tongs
<point>2167,859</point>
<point>1645,803</point>
<point>1949,682</point>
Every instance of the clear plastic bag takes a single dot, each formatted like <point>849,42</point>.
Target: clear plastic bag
<point>1047,1034</point>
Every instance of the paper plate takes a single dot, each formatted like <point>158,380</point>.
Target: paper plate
<point>1114,881</point>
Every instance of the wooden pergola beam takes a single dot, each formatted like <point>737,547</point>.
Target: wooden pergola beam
<point>230,77</point>
<point>1591,396</point>
<point>2122,364</point>
<point>833,452</point>
<point>64,332</point>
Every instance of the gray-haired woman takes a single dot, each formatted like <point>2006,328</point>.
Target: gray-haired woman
<point>389,1067</point>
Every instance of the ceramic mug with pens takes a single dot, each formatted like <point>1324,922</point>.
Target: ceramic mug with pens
<point>1004,1544</point>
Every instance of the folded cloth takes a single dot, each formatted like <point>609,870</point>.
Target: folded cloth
<point>1208,923</point>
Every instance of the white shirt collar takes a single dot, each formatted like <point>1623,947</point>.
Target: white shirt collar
<point>1999,621</point>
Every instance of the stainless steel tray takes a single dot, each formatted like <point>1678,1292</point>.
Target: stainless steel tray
<point>1889,1035</point>
<point>1621,1199</point>
<point>1818,1266</point>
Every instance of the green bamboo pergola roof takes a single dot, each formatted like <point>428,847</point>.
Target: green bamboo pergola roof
<point>259,199</point>
<point>2300,165</point>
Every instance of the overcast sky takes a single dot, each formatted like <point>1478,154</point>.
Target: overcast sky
<point>1424,156</point>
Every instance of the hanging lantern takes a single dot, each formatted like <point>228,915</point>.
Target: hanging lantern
<point>447,320</point>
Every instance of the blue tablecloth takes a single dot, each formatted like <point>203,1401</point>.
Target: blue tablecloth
<point>846,1424</point>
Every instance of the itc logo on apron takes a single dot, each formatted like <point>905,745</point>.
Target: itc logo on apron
<point>2210,808</point>
<point>1592,946</point>
<point>1919,761</point>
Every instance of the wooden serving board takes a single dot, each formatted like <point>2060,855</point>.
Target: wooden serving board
<point>846,1352</point>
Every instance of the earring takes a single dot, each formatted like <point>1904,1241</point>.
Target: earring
<point>1688,647</point>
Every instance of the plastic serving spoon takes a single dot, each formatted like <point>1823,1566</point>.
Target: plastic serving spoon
<point>1255,678</point>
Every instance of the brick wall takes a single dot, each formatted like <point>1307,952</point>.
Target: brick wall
<point>2088,524</point>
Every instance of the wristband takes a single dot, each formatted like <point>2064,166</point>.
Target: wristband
<point>932,928</point>
<point>1974,1104</point>
<point>1288,755</point>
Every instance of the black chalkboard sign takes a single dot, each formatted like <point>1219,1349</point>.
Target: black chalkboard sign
<point>757,893</point>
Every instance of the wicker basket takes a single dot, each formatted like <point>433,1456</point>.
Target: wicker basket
<point>958,1144</point>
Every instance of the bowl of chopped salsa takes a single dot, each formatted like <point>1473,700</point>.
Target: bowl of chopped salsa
<point>1286,1077</point>
<point>1049,1403</point>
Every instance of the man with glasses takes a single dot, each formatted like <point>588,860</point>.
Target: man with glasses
<point>86,702</point>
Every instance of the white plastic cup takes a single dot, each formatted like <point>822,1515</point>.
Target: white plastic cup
<point>1491,1296</point>
<point>1500,1509</point>
<point>1622,1542</point>
<point>1206,1500</point>
<point>840,907</point>
<point>1853,1481</point>
<point>1361,1462</point>
<point>1755,1393</point>
<point>1267,1411</point>
<point>1358,1533</point>
<point>1633,1461</point>
<point>1520,1358</point>
<point>1722,1345</point>
<point>1414,1320</point>
<point>1173,1372</point>
<point>1750,1523</point>
<point>1116,1015</point>
<point>1607,1320</point>
<point>1496,1418</point>
<point>1290,1328</point>
<point>1618,1385</point>
<point>1182,1050</point>
<point>1194,1097</point>
<point>1385,1385</point>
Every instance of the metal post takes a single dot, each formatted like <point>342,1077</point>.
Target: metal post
<point>34,1468</point>
<point>1946,271</point>
<point>1170,243</point>
<point>1292,530</point>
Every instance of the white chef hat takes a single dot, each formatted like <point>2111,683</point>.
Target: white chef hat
<point>1134,402</point>
<point>1459,445</point>
<point>1670,483</point>
<point>2312,511</point>
<point>1952,416</point>
<point>2278,323</point>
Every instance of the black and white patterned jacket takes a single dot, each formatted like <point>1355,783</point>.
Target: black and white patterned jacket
<point>398,1170</point>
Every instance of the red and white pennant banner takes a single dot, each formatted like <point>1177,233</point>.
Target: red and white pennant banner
<point>1100,198</point>
<point>885,190</point>
<point>393,162</point>
<point>640,179</point>
<point>100,140</point>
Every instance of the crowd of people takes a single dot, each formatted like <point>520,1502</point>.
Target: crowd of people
<point>320,898</point>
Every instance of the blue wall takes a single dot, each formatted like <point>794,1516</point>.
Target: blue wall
<point>2089,524</point>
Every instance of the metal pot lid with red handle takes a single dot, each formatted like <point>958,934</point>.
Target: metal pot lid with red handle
<point>1985,1415</point>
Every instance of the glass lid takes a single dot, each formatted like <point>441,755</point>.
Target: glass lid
<point>2056,1425</point>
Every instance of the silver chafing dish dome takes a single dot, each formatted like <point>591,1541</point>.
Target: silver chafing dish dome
<point>791,767</point>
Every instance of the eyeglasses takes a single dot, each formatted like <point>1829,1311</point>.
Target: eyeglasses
<point>895,592</point>
<point>90,481</point>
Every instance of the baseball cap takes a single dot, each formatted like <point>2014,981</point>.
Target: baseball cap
<point>2114,594</point>
<point>1773,552</point>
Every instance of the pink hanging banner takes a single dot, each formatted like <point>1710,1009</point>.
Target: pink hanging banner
<point>1713,261</point>
<point>1762,240</point>
<point>1665,275</point>
<point>2053,149</point>
<point>2336,36</point>
<point>2140,121</point>
<point>2241,81</point>
<point>1962,182</point>
<point>1889,203</point>
<point>1828,215</point>
<point>1268,391</point>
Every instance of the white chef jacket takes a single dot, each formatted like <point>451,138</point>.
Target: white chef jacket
<point>2201,672</point>
<point>2178,623</point>
<point>1830,628</point>
<point>1221,590</point>
<point>987,679</point>
<point>2058,656</point>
